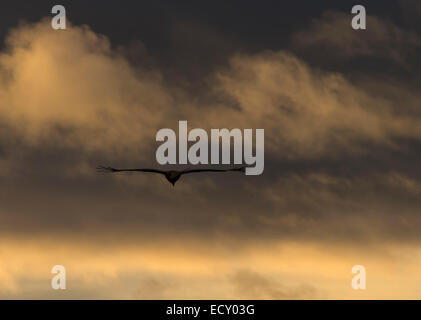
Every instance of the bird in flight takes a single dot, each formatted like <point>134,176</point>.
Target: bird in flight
<point>171,175</point>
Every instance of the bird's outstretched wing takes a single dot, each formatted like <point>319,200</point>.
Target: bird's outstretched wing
<point>241,169</point>
<point>111,169</point>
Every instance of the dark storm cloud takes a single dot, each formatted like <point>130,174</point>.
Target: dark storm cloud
<point>383,47</point>
<point>162,26</point>
<point>341,159</point>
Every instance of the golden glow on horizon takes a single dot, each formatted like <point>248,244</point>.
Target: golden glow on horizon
<point>293,270</point>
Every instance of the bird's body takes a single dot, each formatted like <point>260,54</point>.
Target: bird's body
<point>171,175</point>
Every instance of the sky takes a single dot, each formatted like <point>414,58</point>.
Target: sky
<point>342,181</point>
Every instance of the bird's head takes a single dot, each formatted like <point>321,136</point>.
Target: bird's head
<point>173,176</point>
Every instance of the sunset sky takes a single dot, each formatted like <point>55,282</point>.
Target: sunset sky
<point>342,119</point>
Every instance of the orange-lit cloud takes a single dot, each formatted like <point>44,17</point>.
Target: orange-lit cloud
<point>179,271</point>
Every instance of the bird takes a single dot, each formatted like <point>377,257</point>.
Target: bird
<point>171,175</point>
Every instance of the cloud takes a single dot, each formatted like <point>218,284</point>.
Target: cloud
<point>251,285</point>
<point>72,89</point>
<point>331,37</point>
<point>354,209</point>
<point>69,101</point>
<point>307,112</point>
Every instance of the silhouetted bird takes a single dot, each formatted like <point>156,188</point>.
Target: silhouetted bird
<point>171,175</point>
